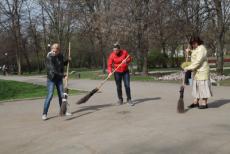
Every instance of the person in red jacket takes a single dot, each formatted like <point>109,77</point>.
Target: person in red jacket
<point>116,58</point>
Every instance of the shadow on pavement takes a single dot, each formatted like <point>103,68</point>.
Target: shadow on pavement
<point>214,104</point>
<point>52,117</point>
<point>74,117</point>
<point>142,100</point>
<point>92,109</point>
<point>186,110</point>
<point>218,103</point>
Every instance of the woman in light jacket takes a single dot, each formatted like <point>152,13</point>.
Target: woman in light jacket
<point>200,67</point>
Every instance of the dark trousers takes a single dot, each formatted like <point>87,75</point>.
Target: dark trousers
<point>188,76</point>
<point>118,79</point>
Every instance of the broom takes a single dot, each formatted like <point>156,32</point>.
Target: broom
<point>180,104</point>
<point>91,93</point>
<point>66,90</point>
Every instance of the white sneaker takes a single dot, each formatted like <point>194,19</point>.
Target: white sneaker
<point>68,114</point>
<point>44,117</point>
<point>130,102</point>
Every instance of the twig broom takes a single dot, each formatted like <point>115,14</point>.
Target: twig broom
<point>66,90</point>
<point>180,104</point>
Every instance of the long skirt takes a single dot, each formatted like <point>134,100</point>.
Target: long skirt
<point>201,89</point>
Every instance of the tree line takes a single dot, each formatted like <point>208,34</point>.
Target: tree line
<point>143,27</point>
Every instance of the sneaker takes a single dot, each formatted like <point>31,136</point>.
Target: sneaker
<point>44,117</point>
<point>68,114</point>
<point>120,102</point>
<point>130,102</point>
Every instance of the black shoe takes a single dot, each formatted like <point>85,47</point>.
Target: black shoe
<point>193,105</point>
<point>203,106</point>
<point>120,102</point>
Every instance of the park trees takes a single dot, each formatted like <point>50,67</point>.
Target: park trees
<point>12,11</point>
<point>222,16</point>
<point>140,26</point>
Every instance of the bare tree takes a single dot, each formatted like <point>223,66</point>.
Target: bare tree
<point>12,11</point>
<point>222,8</point>
<point>60,15</point>
<point>33,34</point>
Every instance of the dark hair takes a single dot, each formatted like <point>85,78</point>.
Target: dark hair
<point>116,45</point>
<point>196,39</point>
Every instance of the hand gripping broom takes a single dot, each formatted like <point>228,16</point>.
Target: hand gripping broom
<point>66,90</point>
<point>91,93</point>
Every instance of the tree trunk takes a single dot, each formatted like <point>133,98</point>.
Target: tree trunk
<point>104,63</point>
<point>138,52</point>
<point>164,65</point>
<point>220,37</point>
<point>18,59</point>
<point>17,37</point>
<point>145,64</point>
<point>27,61</point>
<point>173,51</point>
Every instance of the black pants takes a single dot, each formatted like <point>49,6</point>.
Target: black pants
<point>126,78</point>
<point>188,76</point>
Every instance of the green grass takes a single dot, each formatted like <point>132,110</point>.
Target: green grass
<point>164,69</point>
<point>43,72</point>
<point>227,72</point>
<point>91,75</point>
<point>10,90</point>
<point>142,78</point>
<point>98,75</point>
<point>87,75</point>
<point>225,82</point>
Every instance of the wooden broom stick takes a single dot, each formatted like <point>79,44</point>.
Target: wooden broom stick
<point>103,82</point>
<point>67,69</point>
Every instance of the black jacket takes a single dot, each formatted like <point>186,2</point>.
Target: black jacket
<point>55,66</point>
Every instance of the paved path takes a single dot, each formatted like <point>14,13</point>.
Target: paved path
<point>152,126</point>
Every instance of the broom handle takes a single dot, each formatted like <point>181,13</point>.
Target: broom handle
<point>183,76</point>
<point>103,82</point>
<point>67,69</point>
<point>186,60</point>
<point>186,56</point>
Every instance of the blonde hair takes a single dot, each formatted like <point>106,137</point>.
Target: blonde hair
<point>55,45</point>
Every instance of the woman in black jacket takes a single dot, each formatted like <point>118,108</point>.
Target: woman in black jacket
<point>55,73</point>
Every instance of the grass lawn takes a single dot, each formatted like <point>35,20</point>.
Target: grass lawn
<point>226,71</point>
<point>96,74</point>
<point>10,90</point>
<point>225,82</point>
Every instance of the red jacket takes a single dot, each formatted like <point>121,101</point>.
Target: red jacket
<point>115,60</point>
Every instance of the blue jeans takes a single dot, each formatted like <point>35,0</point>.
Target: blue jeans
<point>50,87</point>
<point>126,78</point>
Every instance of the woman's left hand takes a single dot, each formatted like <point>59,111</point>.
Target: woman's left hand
<point>187,50</point>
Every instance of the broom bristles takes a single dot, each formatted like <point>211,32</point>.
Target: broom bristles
<point>64,103</point>
<point>180,104</point>
<point>87,97</point>
<point>63,108</point>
